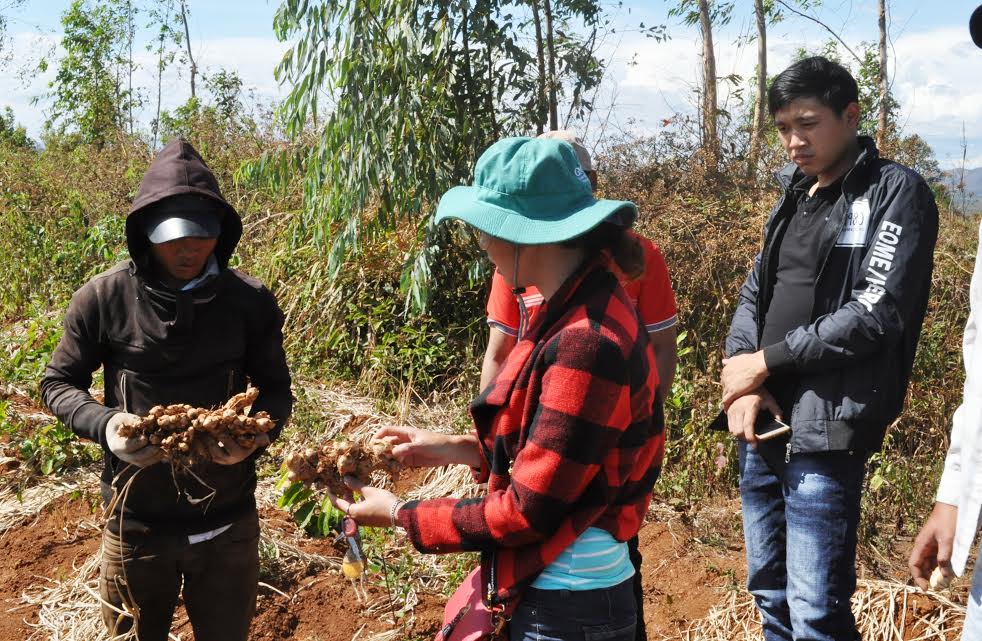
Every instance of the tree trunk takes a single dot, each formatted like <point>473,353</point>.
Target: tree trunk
<point>760,105</point>
<point>710,139</point>
<point>881,126</point>
<point>489,98</point>
<point>553,106</point>
<point>541,102</point>
<point>129,63</point>
<point>465,28</point>
<point>187,41</point>
<point>160,83</point>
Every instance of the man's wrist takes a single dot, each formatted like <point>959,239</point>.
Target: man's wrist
<point>776,358</point>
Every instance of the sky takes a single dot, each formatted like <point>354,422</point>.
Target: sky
<point>934,66</point>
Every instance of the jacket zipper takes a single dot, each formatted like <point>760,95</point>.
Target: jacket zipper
<point>122,392</point>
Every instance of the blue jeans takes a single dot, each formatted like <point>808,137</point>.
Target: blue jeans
<point>973,616</point>
<point>800,529</point>
<point>607,614</point>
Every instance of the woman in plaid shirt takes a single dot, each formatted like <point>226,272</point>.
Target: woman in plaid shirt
<point>565,435</point>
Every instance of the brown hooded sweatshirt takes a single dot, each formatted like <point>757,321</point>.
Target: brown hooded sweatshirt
<point>160,346</point>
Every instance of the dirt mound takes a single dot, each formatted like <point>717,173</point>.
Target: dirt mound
<point>62,537</point>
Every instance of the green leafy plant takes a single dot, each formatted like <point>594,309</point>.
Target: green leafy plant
<point>27,353</point>
<point>47,448</point>
<point>314,515</point>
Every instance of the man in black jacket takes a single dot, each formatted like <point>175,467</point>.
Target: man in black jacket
<point>174,325</point>
<point>824,337</point>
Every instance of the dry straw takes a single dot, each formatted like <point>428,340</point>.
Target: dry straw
<point>884,610</point>
<point>17,508</point>
<point>70,609</point>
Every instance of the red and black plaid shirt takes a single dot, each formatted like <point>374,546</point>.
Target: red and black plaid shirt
<point>568,436</point>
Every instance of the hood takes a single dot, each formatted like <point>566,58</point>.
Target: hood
<point>178,169</point>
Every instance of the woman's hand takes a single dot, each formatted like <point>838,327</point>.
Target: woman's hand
<point>375,508</point>
<point>422,448</point>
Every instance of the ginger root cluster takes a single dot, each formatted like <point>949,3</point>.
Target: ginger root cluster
<point>177,429</point>
<point>328,464</point>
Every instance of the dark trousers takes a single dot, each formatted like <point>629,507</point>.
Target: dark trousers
<point>143,574</point>
<point>640,633</point>
<point>606,614</point>
<point>800,529</point>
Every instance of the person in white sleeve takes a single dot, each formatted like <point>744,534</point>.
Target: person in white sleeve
<point>943,545</point>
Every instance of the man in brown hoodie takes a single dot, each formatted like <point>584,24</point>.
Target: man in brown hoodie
<point>174,325</point>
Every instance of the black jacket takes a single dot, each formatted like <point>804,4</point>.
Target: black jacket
<point>853,361</point>
<point>159,346</point>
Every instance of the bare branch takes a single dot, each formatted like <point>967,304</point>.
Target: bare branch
<point>819,22</point>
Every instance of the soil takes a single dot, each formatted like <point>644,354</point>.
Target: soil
<point>691,563</point>
<point>683,579</point>
<point>62,537</point>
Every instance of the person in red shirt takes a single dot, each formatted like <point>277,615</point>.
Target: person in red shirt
<point>651,295</point>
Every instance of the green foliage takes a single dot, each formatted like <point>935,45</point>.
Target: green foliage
<point>687,11</point>
<point>5,53</point>
<point>223,113</point>
<point>50,257</point>
<point>418,89</point>
<point>697,462</point>
<point>26,352</point>
<point>12,134</point>
<point>46,448</point>
<point>90,97</point>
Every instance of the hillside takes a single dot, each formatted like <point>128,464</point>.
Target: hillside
<point>973,188</point>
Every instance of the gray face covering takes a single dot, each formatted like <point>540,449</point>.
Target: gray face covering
<point>181,219</point>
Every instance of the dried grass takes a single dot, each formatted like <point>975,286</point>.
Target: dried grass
<point>884,611</point>
<point>20,507</point>
<point>452,480</point>
<point>69,609</point>
<point>285,556</point>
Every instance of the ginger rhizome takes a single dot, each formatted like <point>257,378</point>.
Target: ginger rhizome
<point>328,464</point>
<point>177,429</point>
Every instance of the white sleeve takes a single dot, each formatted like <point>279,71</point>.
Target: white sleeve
<point>950,487</point>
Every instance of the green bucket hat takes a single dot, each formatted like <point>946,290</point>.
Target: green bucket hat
<point>531,191</point>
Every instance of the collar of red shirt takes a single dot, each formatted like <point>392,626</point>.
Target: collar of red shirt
<point>552,310</point>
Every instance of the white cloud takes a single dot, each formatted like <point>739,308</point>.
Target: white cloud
<point>252,58</point>
<point>936,80</point>
<point>21,83</point>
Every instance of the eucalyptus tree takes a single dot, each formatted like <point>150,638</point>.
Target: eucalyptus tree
<point>391,102</point>
<point>706,13</point>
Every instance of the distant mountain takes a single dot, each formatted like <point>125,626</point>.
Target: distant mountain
<point>973,187</point>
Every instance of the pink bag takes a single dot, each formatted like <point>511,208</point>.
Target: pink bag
<point>467,618</point>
